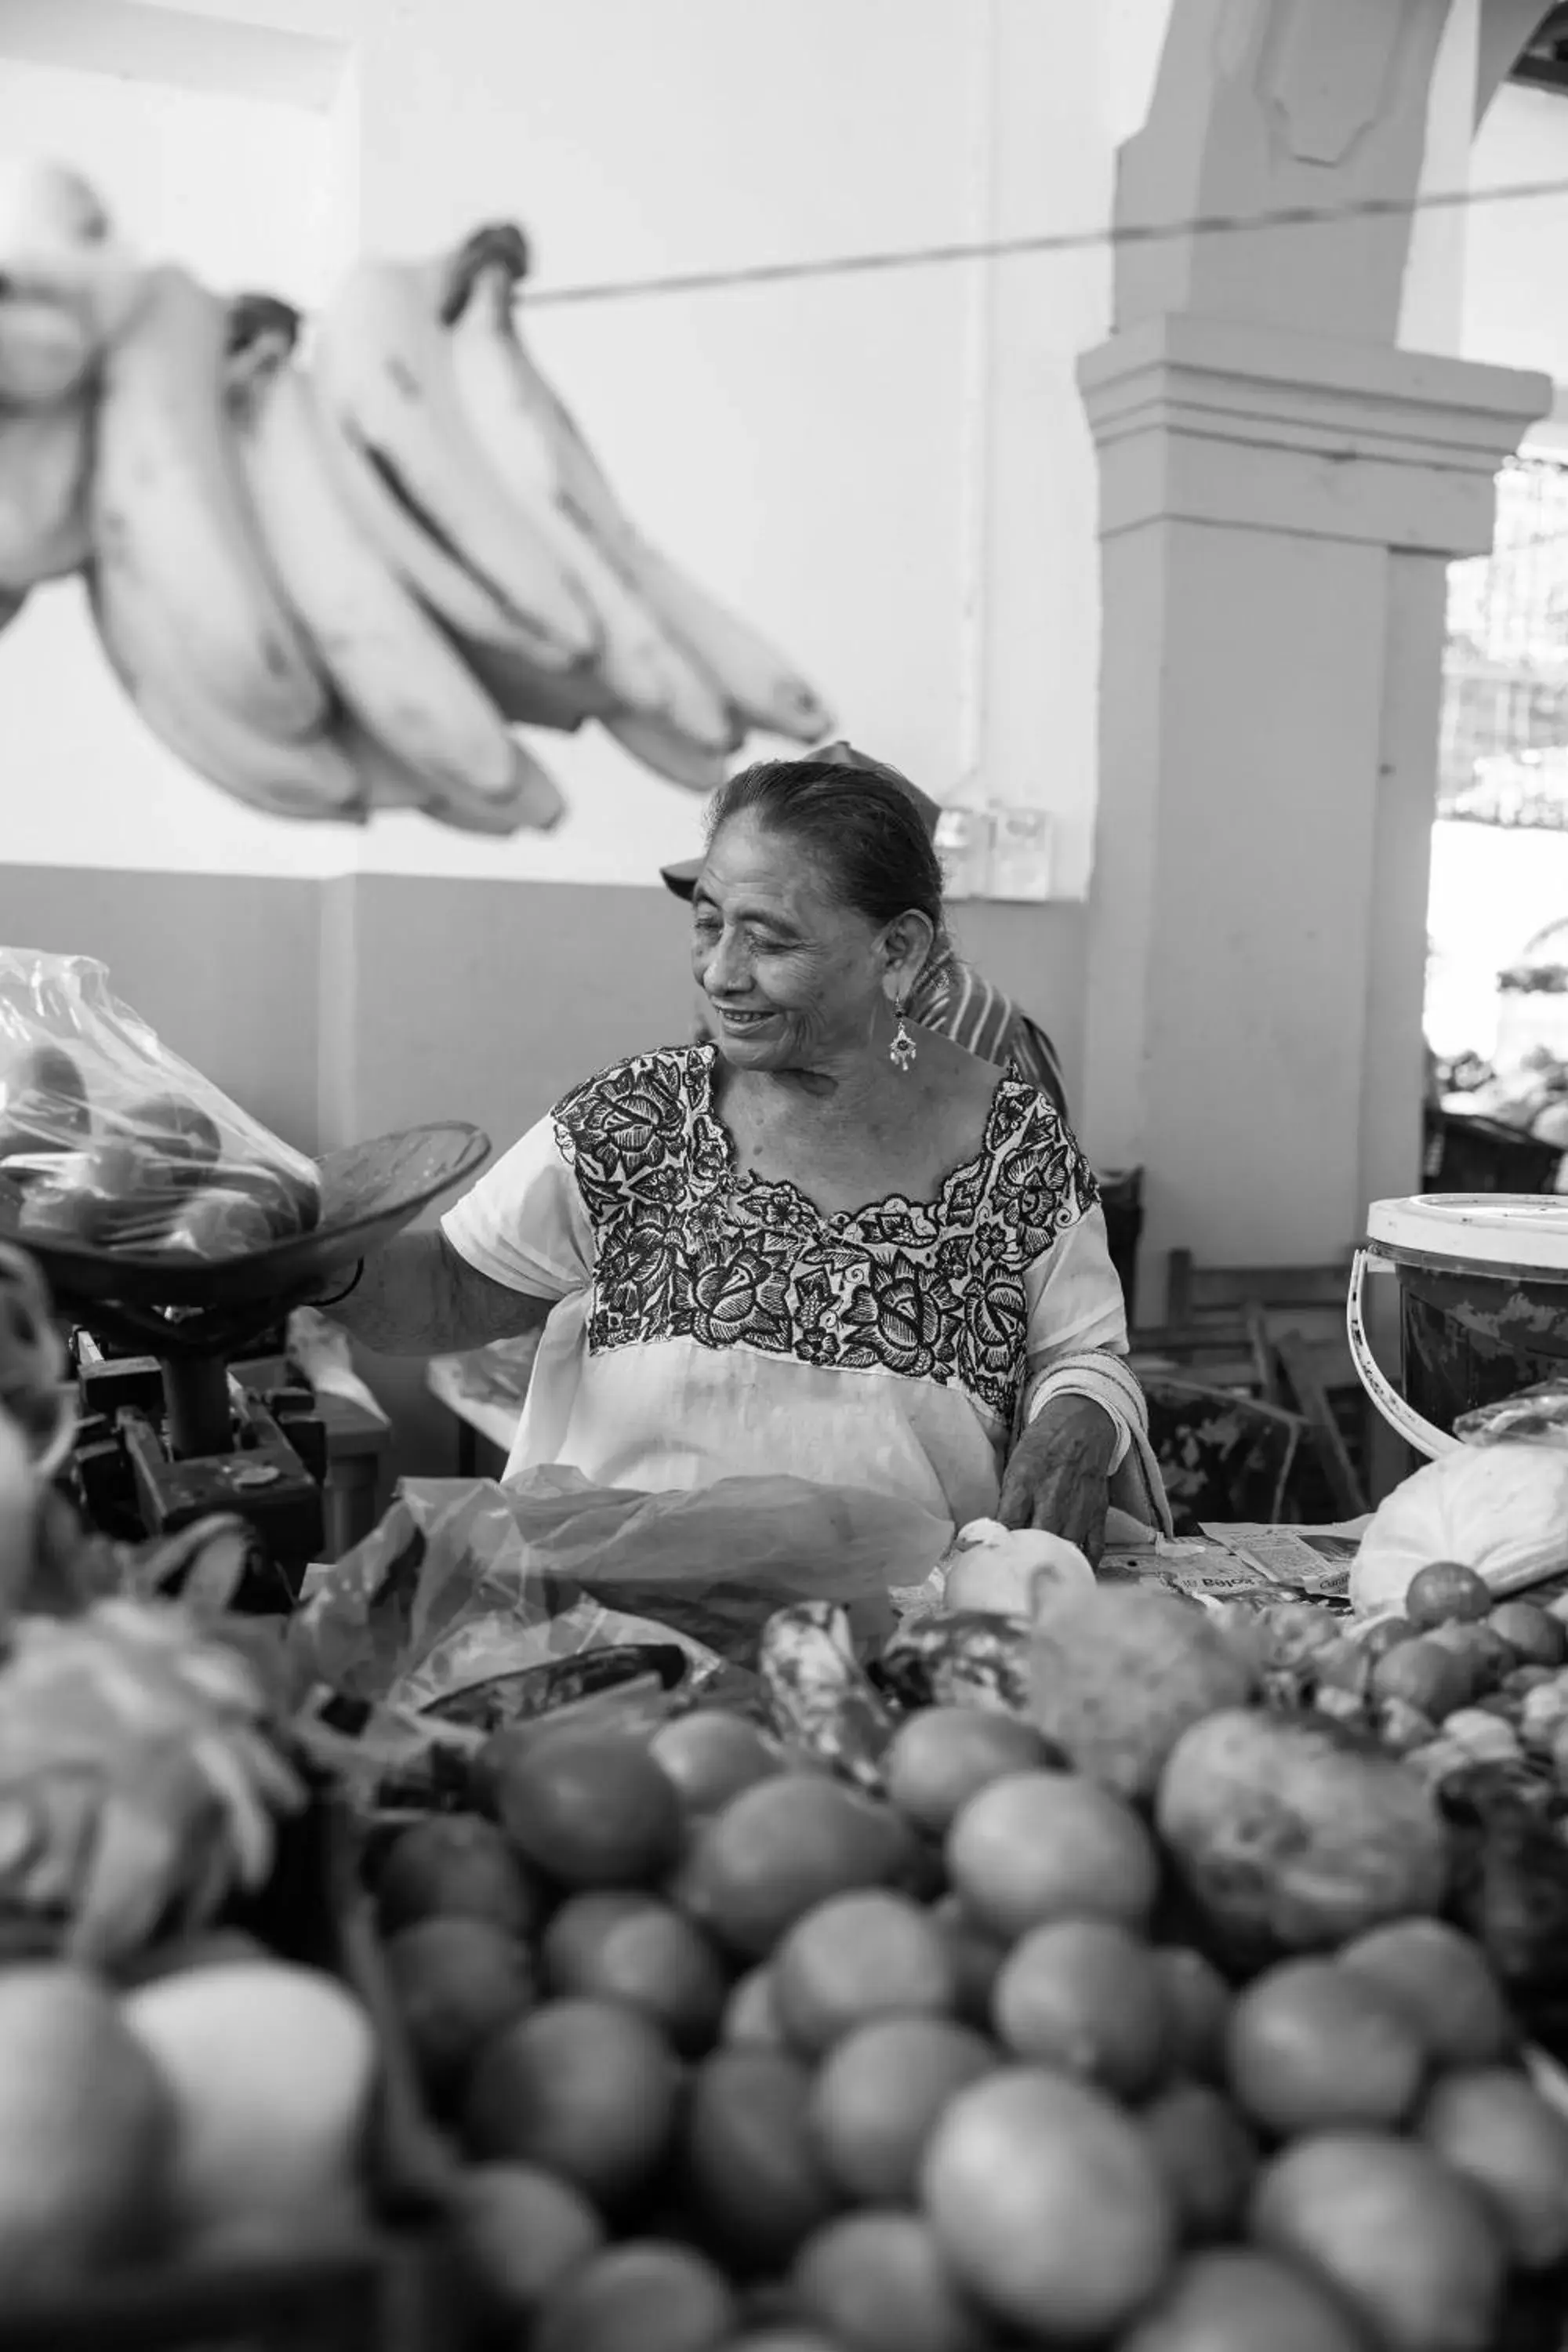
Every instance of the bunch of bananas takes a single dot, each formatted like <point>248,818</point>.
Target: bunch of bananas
<point>339,572</point>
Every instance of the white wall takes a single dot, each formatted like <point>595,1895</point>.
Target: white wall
<point>1516,260</point>
<point>891,474</point>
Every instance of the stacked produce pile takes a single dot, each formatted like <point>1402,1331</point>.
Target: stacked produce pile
<point>1136,2018</point>
<point>338,581</point>
<point>172,2092</point>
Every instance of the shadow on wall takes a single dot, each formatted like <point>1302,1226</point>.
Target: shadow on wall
<point>339,1010</point>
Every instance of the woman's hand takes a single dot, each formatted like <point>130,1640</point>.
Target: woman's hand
<point>1058,1475</point>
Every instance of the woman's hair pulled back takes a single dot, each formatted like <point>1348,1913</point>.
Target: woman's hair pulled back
<point>859,825</point>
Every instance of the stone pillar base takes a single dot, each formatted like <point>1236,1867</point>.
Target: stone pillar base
<point>1276,513</point>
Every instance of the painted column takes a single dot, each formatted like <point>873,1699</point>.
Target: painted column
<point>1280,490</point>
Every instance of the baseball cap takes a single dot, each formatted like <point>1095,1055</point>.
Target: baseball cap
<point>682,877</point>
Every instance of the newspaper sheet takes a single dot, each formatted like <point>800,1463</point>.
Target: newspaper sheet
<point>1244,1562</point>
<point>1315,1561</point>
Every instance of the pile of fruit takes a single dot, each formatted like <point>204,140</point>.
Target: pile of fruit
<point>1454,1679</point>
<point>338,581</point>
<point>1135,2020</point>
<point>147,1176</point>
<point>214,2109</point>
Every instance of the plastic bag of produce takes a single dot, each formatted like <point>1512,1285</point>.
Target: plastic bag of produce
<point>108,1142</point>
<point>1500,1509</point>
<point>1536,1416</point>
<point>466,1579</point>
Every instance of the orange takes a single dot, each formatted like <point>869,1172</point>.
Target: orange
<point>631,1947</point>
<point>860,1956</point>
<point>1426,1676</point>
<point>640,2296</point>
<point>939,1757</point>
<point>780,1848</point>
<point>751,2018</point>
<point>1048,2204</point>
<point>1232,2300</point>
<point>1444,1984</point>
<point>1494,2128</point>
<point>1050,1845</point>
<point>1086,1996</point>
<point>1197,2003</point>
<point>711,1756</point>
<point>586,2089</point>
<point>1314,2046</point>
<point>455,1864</point>
<point>1207,2155</point>
<point>879,2095</point>
<point>1531,1632</point>
<point>1397,2233</point>
<point>1446,1593</point>
<point>456,1983</point>
<point>590,1808</point>
<point>1385,1635</point>
<point>754,2179</point>
<point>878,2283</point>
<point>977,1957</point>
<point>517,2232</point>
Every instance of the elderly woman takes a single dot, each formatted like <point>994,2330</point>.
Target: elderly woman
<point>828,1242</point>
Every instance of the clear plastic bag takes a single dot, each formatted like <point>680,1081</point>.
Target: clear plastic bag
<point>109,1142</point>
<point>466,1581</point>
<point>1536,1416</point>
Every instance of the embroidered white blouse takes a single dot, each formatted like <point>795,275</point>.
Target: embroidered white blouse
<point>711,1324</point>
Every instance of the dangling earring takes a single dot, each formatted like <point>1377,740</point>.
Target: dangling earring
<point>901,1052</point>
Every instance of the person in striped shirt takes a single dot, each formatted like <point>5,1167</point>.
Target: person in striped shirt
<point>950,997</point>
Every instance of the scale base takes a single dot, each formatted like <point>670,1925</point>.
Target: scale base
<point>140,1474</point>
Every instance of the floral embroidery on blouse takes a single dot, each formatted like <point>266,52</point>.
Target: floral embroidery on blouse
<point>688,1246</point>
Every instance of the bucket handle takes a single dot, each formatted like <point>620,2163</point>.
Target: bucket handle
<point>1423,1435</point>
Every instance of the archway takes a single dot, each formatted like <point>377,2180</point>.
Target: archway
<point>1282,488</point>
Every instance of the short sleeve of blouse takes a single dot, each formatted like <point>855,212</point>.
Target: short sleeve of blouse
<point>523,1222</point>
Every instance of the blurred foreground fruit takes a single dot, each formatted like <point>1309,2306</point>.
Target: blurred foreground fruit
<point>1207,2155</point>
<point>1233,2300</point>
<point>778,1849</point>
<point>1050,1845</point>
<point>1412,2250</point>
<point>710,1757</point>
<point>636,1948</point>
<point>519,2232</point>
<point>878,2096</point>
<point>454,1865</point>
<point>878,2283</point>
<point>587,2089</point>
<point>858,1956</point>
<point>1442,1981</point>
<point>751,2169</point>
<point>1086,1996</point>
<point>272,2069</point>
<point>1119,1673</point>
<point>640,2296</point>
<point>88,2132</point>
<point>1291,1834</point>
<point>1314,2047</point>
<point>1048,2204</point>
<point>589,1809</point>
<point>940,1757</point>
<point>457,1982</point>
<point>1493,2128</point>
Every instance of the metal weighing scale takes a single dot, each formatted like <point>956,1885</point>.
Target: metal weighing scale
<point>166,1434</point>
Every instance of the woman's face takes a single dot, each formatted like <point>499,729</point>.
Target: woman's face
<point>795,980</point>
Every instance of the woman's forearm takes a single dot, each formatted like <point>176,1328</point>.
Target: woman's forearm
<point>415,1297</point>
